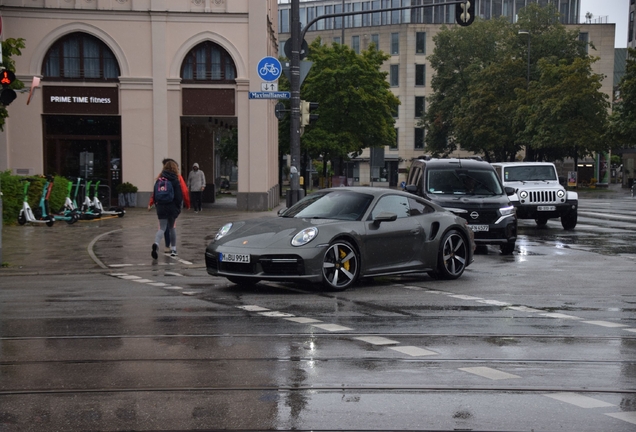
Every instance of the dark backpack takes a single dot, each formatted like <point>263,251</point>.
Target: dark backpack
<point>164,193</point>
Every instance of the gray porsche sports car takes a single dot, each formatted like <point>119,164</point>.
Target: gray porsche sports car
<point>338,235</point>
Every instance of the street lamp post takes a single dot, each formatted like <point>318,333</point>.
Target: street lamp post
<point>526,32</point>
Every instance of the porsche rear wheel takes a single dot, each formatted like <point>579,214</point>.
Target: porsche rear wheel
<point>453,256</point>
<point>340,266</point>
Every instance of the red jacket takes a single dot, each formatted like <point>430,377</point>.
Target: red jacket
<point>184,190</point>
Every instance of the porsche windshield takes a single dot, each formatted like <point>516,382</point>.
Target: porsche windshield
<point>463,182</point>
<point>344,205</point>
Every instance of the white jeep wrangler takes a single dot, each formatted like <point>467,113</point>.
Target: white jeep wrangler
<point>539,195</point>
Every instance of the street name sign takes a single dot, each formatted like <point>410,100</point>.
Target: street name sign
<point>269,95</point>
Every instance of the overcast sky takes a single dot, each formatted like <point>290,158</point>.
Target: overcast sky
<point>617,12</point>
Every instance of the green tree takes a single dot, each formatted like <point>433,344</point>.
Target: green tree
<point>10,48</point>
<point>485,100</point>
<point>355,102</point>
<point>622,128</point>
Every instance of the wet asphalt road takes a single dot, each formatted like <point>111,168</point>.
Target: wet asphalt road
<point>94,336</point>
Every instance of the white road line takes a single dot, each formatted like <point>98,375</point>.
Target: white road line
<point>120,265</point>
<point>129,277</point>
<point>631,330</point>
<point>437,292</point>
<point>332,327</point>
<point>494,302</point>
<point>190,293</point>
<point>142,280</point>
<point>560,316</point>
<point>605,324</point>
<point>524,309</point>
<point>578,400</point>
<point>252,308</point>
<point>465,297</point>
<point>302,320</point>
<point>413,351</point>
<point>172,288</point>
<point>276,314</point>
<point>489,373</point>
<point>629,417</point>
<point>377,340</point>
<point>172,274</point>
<point>158,284</point>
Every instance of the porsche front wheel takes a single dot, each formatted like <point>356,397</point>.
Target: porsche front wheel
<point>453,256</point>
<point>341,266</point>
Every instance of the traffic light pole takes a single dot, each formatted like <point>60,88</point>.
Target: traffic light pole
<point>297,36</point>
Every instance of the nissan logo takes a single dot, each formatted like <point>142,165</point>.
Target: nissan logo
<point>474,215</point>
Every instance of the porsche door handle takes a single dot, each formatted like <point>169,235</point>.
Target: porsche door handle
<point>415,231</point>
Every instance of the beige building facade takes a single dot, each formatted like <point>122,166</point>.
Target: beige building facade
<point>127,83</point>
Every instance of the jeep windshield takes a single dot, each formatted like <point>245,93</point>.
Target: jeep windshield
<point>455,181</point>
<point>529,173</point>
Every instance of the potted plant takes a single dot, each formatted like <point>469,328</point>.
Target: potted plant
<point>127,194</point>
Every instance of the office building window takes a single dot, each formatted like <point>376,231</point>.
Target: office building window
<point>375,38</point>
<point>419,106</point>
<point>419,139</point>
<point>420,43</point>
<point>394,75</point>
<point>208,62</point>
<point>336,39</point>
<point>584,37</point>
<point>420,75</point>
<point>355,44</point>
<point>395,43</point>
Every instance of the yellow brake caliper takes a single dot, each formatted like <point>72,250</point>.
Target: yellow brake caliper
<point>346,264</point>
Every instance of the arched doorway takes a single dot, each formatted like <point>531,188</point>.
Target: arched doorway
<point>81,122</point>
<point>208,94</point>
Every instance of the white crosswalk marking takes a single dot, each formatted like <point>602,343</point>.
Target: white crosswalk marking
<point>489,373</point>
<point>413,351</point>
<point>605,324</point>
<point>629,417</point>
<point>377,340</point>
<point>332,327</point>
<point>302,320</point>
<point>578,400</point>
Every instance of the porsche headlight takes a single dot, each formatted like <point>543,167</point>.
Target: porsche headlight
<point>223,231</point>
<point>505,211</point>
<point>304,236</point>
<point>523,194</point>
<point>560,193</point>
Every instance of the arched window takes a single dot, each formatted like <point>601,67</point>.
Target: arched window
<point>208,62</point>
<point>80,56</point>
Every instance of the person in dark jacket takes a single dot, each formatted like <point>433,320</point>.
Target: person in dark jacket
<point>168,212</point>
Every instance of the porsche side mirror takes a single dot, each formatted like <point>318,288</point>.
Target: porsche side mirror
<point>384,217</point>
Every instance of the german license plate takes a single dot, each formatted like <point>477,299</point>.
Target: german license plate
<point>235,258</point>
<point>477,228</point>
<point>546,208</point>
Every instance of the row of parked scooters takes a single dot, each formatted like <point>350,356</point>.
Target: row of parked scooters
<point>91,207</point>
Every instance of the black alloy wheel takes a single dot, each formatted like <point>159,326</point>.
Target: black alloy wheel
<point>453,256</point>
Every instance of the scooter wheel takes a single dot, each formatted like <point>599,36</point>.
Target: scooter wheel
<point>50,221</point>
<point>72,218</point>
<point>120,212</point>
<point>21,218</point>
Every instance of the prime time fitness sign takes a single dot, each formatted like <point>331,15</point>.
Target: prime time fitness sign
<point>80,100</point>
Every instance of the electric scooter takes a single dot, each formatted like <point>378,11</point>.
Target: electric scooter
<point>88,210</point>
<point>68,212</point>
<point>40,214</point>
<point>97,204</point>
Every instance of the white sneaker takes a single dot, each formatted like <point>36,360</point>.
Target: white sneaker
<point>173,253</point>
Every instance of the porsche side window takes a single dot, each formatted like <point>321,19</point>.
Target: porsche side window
<point>417,208</point>
<point>392,204</point>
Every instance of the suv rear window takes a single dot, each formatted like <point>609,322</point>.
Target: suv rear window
<point>529,173</point>
<point>455,181</point>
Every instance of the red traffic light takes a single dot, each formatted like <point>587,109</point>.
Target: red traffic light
<point>6,77</point>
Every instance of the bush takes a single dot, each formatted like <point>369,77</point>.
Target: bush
<point>125,188</point>
<point>13,192</point>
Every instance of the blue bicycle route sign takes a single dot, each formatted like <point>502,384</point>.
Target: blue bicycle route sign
<point>269,69</point>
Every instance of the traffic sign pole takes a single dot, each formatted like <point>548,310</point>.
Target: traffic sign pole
<point>294,194</point>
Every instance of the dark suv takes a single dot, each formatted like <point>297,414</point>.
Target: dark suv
<point>471,189</point>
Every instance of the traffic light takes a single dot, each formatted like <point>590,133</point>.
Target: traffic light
<point>306,116</point>
<point>465,13</point>
<point>7,95</point>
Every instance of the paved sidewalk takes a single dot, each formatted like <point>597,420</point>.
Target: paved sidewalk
<point>94,246</point>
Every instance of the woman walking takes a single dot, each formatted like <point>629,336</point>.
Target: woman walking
<point>168,199</point>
